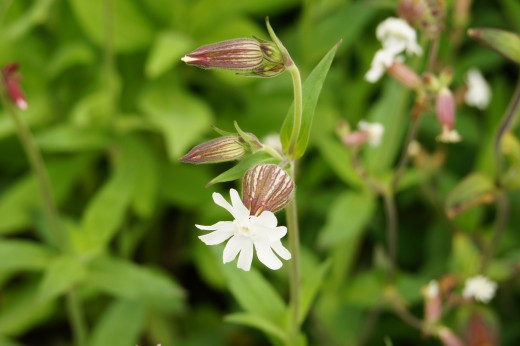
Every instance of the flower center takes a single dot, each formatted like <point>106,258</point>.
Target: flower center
<point>244,230</point>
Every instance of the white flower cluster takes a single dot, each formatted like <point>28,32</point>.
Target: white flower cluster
<point>396,37</point>
<point>375,132</point>
<point>479,288</point>
<point>479,93</point>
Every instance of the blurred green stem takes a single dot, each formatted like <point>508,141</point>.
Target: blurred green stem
<point>298,107</point>
<point>405,156</point>
<point>502,202</point>
<point>109,62</point>
<point>391,230</point>
<point>76,318</point>
<point>294,273</point>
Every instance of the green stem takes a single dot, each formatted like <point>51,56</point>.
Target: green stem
<point>298,107</point>
<point>76,318</point>
<point>38,167</point>
<point>109,60</point>
<point>391,231</point>
<point>405,156</point>
<point>294,274</point>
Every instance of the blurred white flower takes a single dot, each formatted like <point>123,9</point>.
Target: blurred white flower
<point>375,131</point>
<point>382,60</point>
<point>245,232</point>
<point>273,140</point>
<point>478,93</point>
<point>397,36</point>
<point>449,135</point>
<point>479,288</point>
<point>432,289</point>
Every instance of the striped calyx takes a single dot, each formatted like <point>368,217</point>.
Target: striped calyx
<point>266,187</point>
<point>222,149</point>
<point>246,56</point>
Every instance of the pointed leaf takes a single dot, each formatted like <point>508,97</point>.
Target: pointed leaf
<point>474,190</point>
<point>23,255</point>
<point>503,42</point>
<point>311,92</point>
<point>312,278</point>
<point>255,321</point>
<point>240,168</point>
<point>62,273</point>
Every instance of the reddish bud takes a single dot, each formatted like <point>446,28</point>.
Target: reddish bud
<point>11,81</point>
<point>222,149</point>
<point>266,187</point>
<point>404,75</point>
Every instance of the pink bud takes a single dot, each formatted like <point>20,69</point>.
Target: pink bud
<point>222,149</point>
<point>266,187</point>
<point>355,139</point>
<point>11,81</point>
<point>404,75</point>
<point>445,108</point>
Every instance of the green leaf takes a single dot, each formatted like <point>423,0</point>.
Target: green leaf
<point>129,26</point>
<point>339,160</point>
<point>365,290</point>
<point>503,42</point>
<point>70,55</point>
<point>347,217</point>
<point>36,15</point>
<point>18,255</point>
<point>311,92</point>
<point>257,322</point>
<point>6,342</point>
<point>474,190</point>
<point>124,279</point>
<point>465,259</point>
<point>70,138</point>
<point>312,279</point>
<point>255,294</point>
<point>241,167</point>
<point>120,325</point>
<point>181,117</point>
<point>168,48</point>
<point>189,195</point>
<point>62,273</point>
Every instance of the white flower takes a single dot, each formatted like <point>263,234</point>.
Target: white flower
<point>431,290</point>
<point>246,232</point>
<point>375,131</point>
<point>449,136</point>
<point>273,140</point>
<point>478,93</point>
<point>397,35</point>
<point>382,60</point>
<point>480,288</point>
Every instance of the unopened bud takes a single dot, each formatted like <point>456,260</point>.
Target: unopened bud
<point>355,139</point>
<point>503,42</point>
<point>448,338</point>
<point>11,81</point>
<point>404,75</point>
<point>222,149</point>
<point>445,108</point>
<point>246,56</point>
<point>432,302</point>
<point>266,187</point>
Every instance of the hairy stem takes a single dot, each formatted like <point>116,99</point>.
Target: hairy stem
<point>294,274</point>
<point>298,107</point>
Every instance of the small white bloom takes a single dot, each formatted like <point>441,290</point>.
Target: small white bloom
<point>479,288</point>
<point>431,290</point>
<point>375,131</point>
<point>449,135</point>
<point>478,93</point>
<point>273,140</point>
<point>397,36</point>
<point>382,60</point>
<point>246,232</point>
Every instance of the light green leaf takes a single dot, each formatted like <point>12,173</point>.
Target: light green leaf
<point>120,325</point>
<point>465,259</point>
<point>124,279</point>
<point>70,138</point>
<point>241,167</point>
<point>505,43</point>
<point>68,55</point>
<point>257,322</point>
<point>255,294</point>
<point>130,28</point>
<point>167,49</point>
<point>474,190</point>
<point>347,217</point>
<point>339,160</point>
<point>23,255</point>
<point>36,15</point>
<point>62,273</point>
<point>181,117</point>
<point>312,279</point>
<point>365,290</point>
<point>311,92</point>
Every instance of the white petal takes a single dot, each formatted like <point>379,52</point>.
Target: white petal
<point>233,247</point>
<point>246,255</point>
<point>266,255</point>
<point>227,225</point>
<point>215,237</point>
<point>221,201</point>
<point>271,234</point>
<point>281,250</point>
<point>266,218</point>
<point>240,211</point>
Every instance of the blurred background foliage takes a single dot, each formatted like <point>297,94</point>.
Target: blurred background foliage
<point>112,109</point>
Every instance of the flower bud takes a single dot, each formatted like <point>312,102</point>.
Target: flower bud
<point>432,302</point>
<point>11,81</point>
<point>222,149</point>
<point>404,75</point>
<point>503,42</point>
<point>266,187</point>
<point>246,56</point>
<point>445,109</point>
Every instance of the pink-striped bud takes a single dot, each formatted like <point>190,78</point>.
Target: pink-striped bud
<point>246,56</point>
<point>266,187</point>
<point>11,81</point>
<point>222,149</point>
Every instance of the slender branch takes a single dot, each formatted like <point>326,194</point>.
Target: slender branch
<point>433,51</point>
<point>298,107</point>
<point>391,231</point>
<point>405,155</point>
<point>369,325</point>
<point>294,274</point>
<point>109,60</point>
<point>408,317</point>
